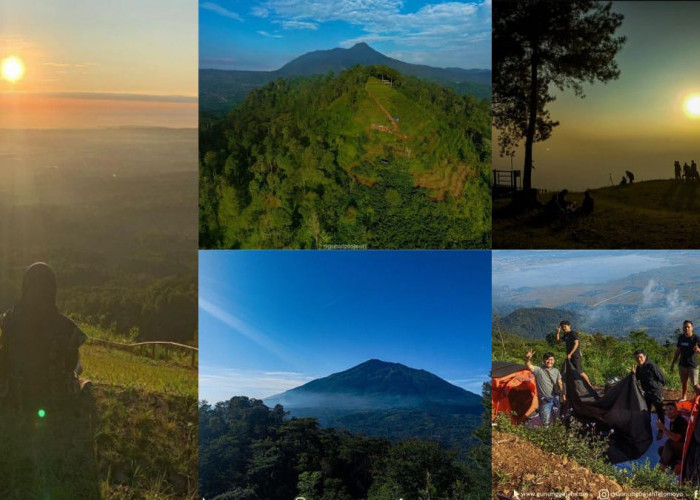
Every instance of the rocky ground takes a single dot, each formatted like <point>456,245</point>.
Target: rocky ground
<point>521,466</point>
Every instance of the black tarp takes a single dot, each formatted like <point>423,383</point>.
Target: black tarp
<point>621,408</point>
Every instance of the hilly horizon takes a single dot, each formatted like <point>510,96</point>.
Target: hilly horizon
<point>388,400</point>
<point>221,89</point>
<point>376,384</point>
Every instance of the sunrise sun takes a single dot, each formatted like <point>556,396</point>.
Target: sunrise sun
<point>692,105</point>
<point>12,68</point>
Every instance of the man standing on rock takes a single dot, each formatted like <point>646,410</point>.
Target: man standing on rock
<point>686,349</point>
<point>573,347</point>
<point>549,385</point>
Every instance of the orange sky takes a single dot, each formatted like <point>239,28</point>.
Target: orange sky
<point>140,55</point>
<point>29,111</point>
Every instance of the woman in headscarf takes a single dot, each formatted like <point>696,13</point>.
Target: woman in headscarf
<point>39,359</point>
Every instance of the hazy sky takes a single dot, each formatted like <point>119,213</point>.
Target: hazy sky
<point>266,34</point>
<point>538,268</point>
<point>271,320</point>
<point>634,123</point>
<point>74,52</point>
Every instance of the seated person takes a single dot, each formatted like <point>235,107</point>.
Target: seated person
<point>672,451</point>
<point>39,359</point>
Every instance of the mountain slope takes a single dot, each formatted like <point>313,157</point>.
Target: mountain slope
<point>220,90</point>
<point>536,322</point>
<point>377,384</point>
<point>367,157</point>
<point>389,400</point>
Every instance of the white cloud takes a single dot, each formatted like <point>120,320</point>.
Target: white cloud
<point>299,25</point>
<point>445,28</point>
<point>221,11</point>
<point>241,327</point>
<point>269,35</point>
<point>261,12</point>
<point>221,384</point>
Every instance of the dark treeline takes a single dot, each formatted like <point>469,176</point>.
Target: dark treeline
<point>250,452</point>
<point>125,303</point>
<point>297,165</point>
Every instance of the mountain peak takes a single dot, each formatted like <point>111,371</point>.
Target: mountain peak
<point>361,46</point>
<point>376,384</point>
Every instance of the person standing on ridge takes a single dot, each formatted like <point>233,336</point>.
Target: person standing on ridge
<point>573,347</point>
<point>687,347</point>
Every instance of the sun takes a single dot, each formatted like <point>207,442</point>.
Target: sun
<point>12,68</point>
<point>692,105</point>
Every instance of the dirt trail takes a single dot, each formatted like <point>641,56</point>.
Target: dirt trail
<point>519,465</point>
<point>388,115</point>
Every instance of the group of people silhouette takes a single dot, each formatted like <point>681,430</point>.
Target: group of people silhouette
<point>687,173</point>
<point>559,208</point>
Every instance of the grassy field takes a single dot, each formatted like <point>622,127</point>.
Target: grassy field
<point>133,436</point>
<point>652,214</point>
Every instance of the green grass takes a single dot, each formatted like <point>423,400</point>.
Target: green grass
<point>133,436</point>
<point>652,214</point>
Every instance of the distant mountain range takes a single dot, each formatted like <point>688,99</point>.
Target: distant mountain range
<point>219,90</point>
<point>656,301</point>
<point>388,400</point>
<point>535,322</point>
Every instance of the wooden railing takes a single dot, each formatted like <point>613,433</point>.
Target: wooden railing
<point>194,351</point>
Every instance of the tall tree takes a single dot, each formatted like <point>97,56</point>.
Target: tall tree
<point>540,45</point>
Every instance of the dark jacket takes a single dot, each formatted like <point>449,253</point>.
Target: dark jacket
<point>651,378</point>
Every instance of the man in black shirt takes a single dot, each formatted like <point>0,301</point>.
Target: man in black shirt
<point>652,381</point>
<point>672,451</point>
<point>573,348</point>
<point>686,349</point>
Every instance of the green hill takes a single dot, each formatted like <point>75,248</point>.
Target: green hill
<point>535,322</point>
<point>368,157</point>
<point>133,436</point>
<point>651,214</point>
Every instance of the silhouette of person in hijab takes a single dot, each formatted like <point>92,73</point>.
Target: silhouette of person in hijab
<point>39,358</point>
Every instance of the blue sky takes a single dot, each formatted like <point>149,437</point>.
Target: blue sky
<point>266,34</point>
<point>273,320</point>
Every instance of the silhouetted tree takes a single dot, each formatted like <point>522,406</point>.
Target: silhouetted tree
<point>539,45</point>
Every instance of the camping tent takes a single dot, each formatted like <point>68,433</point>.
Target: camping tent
<point>621,409</point>
<point>690,463</point>
<point>513,390</point>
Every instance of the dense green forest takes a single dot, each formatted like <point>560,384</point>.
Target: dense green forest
<point>367,157</point>
<point>248,451</point>
<point>114,212</point>
<point>603,356</point>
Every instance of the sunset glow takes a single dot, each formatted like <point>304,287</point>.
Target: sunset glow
<point>692,105</point>
<point>12,68</point>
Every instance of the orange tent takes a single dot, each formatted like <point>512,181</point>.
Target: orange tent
<point>513,390</point>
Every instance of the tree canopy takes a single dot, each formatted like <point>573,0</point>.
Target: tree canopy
<point>540,45</point>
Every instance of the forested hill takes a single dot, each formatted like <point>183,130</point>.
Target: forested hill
<point>536,322</point>
<point>367,157</point>
<point>220,90</point>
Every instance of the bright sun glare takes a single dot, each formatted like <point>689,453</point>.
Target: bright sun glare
<point>12,68</point>
<point>692,105</point>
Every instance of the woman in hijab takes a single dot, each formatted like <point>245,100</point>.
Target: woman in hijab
<point>39,359</point>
